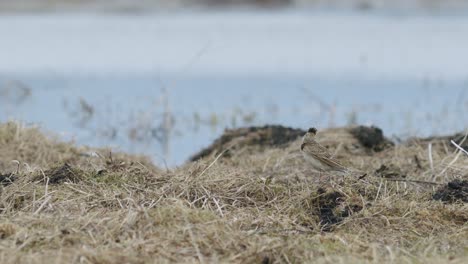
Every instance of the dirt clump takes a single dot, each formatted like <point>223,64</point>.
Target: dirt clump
<point>351,140</point>
<point>332,208</point>
<point>265,136</point>
<point>456,190</point>
<point>371,137</point>
<point>7,179</point>
<point>60,174</point>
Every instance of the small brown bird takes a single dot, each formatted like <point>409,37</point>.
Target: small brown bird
<point>317,155</point>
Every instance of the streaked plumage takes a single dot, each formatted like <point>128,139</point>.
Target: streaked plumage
<point>317,155</point>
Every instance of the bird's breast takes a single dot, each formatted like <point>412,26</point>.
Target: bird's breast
<point>318,165</point>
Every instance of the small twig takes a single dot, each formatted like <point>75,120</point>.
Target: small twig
<point>378,191</point>
<point>431,162</point>
<point>278,231</point>
<point>415,181</point>
<point>458,147</point>
<point>219,207</point>
<point>76,190</point>
<point>464,138</point>
<point>212,163</point>
<point>18,164</point>
<point>363,176</point>
<point>46,179</point>
<point>46,200</point>
<point>216,159</point>
<point>450,164</point>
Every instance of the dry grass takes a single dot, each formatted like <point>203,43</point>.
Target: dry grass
<point>265,207</point>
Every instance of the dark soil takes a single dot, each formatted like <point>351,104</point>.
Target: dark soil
<point>330,209</point>
<point>456,190</point>
<point>7,179</point>
<point>266,136</point>
<point>371,137</point>
<point>60,174</point>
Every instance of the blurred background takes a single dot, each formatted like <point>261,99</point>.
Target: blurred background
<point>166,77</point>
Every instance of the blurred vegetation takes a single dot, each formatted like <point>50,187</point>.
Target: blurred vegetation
<point>148,5</point>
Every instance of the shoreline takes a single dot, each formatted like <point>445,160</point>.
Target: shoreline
<point>138,7</point>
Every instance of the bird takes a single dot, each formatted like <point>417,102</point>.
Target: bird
<point>318,156</point>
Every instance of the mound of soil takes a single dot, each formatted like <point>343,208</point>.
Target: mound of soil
<point>60,174</point>
<point>265,136</point>
<point>361,137</point>
<point>371,137</point>
<point>454,191</point>
<point>330,208</point>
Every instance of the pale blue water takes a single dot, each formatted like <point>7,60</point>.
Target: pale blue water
<point>405,73</point>
<point>402,108</point>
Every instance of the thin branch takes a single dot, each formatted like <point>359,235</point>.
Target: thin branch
<point>415,181</point>
<point>431,161</point>
<point>216,159</point>
<point>458,147</point>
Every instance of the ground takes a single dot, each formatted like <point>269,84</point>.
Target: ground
<point>256,203</point>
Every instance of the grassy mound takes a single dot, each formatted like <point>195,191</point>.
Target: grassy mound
<point>62,205</point>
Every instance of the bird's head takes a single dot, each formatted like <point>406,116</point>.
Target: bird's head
<point>311,133</point>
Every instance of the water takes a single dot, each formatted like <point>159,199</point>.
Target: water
<point>207,71</point>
